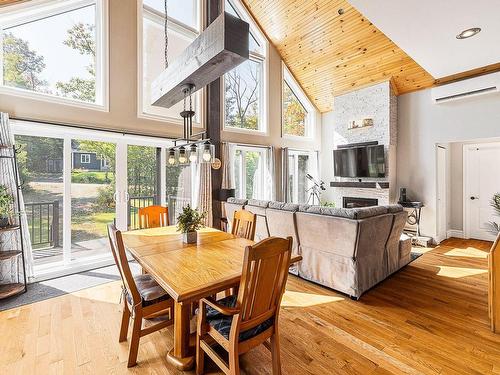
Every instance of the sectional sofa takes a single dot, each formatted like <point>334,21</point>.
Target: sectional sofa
<point>349,250</point>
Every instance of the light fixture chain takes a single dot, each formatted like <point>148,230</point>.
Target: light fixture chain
<point>166,34</point>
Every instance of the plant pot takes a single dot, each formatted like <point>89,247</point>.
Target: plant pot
<point>190,237</point>
<point>4,221</point>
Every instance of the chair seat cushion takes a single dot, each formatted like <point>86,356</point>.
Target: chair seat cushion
<point>222,323</point>
<point>149,290</point>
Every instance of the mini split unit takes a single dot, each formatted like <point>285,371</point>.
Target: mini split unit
<point>486,84</point>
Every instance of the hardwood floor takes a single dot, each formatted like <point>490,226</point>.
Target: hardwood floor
<point>429,318</point>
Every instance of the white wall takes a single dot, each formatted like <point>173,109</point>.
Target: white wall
<point>422,125</point>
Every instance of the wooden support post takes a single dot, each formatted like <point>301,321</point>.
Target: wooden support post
<point>214,122</point>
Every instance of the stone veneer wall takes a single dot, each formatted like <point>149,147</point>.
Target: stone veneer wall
<point>379,103</point>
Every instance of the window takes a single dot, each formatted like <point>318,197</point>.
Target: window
<point>182,31</point>
<point>54,51</point>
<point>301,164</point>
<point>244,89</point>
<point>85,158</point>
<point>252,174</point>
<point>298,112</point>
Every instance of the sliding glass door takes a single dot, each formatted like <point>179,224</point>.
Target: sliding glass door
<point>78,181</point>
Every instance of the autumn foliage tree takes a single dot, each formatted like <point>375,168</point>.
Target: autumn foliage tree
<point>294,113</point>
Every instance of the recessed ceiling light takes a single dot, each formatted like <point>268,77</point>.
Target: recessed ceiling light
<point>469,33</point>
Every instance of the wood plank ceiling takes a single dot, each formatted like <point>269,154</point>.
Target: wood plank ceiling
<point>331,53</point>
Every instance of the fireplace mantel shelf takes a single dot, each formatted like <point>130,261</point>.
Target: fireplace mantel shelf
<point>362,185</point>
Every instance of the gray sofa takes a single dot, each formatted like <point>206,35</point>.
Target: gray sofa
<point>349,250</point>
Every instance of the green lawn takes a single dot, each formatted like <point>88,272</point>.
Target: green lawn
<point>90,226</point>
<point>90,177</point>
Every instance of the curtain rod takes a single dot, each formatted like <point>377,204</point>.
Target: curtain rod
<point>86,127</point>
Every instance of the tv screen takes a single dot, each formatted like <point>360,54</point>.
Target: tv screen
<point>368,161</point>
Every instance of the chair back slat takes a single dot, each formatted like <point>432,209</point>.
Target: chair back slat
<point>265,271</point>
<point>244,224</point>
<point>120,256</point>
<point>153,217</point>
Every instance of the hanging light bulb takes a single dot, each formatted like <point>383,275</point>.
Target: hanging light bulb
<point>193,155</point>
<point>182,155</point>
<point>171,156</point>
<point>207,152</point>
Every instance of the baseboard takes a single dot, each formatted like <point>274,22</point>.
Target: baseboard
<point>455,233</point>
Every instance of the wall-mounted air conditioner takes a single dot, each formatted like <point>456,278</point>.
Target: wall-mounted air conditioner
<point>486,84</point>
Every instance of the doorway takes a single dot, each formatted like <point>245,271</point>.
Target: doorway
<point>481,182</point>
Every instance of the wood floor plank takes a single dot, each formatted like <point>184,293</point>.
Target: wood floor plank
<point>429,318</point>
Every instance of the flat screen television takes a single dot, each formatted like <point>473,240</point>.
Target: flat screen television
<point>365,161</point>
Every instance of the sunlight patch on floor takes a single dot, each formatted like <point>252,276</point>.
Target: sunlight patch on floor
<point>458,272</point>
<point>469,252</point>
<point>298,299</point>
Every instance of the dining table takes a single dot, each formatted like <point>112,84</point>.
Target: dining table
<point>188,272</point>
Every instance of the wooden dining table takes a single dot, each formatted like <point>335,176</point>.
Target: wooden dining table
<point>188,272</point>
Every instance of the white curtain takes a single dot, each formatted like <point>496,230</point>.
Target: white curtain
<point>203,191</point>
<point>12,270</point>
<point>228,151</point>
<point>284,175</point>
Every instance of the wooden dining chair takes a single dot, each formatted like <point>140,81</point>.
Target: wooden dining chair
<point>244,224</point>
<point>240,323</point>
<point>153,217</point>
<point>142,297</point>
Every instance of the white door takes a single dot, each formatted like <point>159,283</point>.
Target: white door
<point>441,193</point>
<point>481,182</point>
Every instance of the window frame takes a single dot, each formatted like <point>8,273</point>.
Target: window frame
<point>261,58</point>
<point>310,120</point>
<point>84,158</point>
<point>292,196</point>
<point>153,15</point>
<point>32,11</point>
<point>243,176</point>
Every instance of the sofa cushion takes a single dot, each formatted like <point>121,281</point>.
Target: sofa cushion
<point>237,201</point>
<point>393,208</point>
<point>258,203</point>
<point>349,213</point>
<point>284,206</point>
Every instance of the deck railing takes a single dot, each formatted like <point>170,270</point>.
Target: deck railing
<point>43,223</point>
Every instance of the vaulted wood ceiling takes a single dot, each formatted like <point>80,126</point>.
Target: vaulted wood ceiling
<point>331,53</point>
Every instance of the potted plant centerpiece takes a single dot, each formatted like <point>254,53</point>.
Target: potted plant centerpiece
<point>188,222</point>
<point>6,200</point>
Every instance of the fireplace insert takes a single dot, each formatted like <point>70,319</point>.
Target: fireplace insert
<point>351,202</point>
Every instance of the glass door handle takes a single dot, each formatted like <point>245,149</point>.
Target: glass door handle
<point>115,194</point>
<point>127,197</point>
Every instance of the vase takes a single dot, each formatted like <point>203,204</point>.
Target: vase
<point>190,237</point>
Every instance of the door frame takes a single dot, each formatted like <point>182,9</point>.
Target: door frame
<point>466,201</point>
<point>122,140</point>
<point>442,216</point>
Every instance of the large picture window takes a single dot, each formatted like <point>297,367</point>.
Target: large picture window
<point>298,112</point>
<point>244,91</point>
<point>183,29</point>
<point>252,172</point>
<point>55,50</point>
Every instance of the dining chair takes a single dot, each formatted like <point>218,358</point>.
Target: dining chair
<point>153,217</point>
<point>240,323</point>
<point>244,224</point>
<point>494,286</point>
<point>142,297</point>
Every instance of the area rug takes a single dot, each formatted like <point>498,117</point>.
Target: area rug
<point>67,284</point>
<point>414,255</point>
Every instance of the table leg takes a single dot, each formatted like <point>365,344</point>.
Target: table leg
<point>180,356</point>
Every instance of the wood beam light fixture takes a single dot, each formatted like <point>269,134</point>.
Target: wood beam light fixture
<point>222,46</point>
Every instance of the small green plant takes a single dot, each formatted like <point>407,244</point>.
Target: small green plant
<point>328,204</point>
<point>190,220</point>
<point>495,203</point>
<point>6,200</point>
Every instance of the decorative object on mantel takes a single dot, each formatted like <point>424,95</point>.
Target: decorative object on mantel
<point>15,246</point>
<point>222,46</point>
<point>188,222</point>
<point>358,124</point>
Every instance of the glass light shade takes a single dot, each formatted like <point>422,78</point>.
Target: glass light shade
<point>171,156</point>
<point>207,152</point>
<point>182,156</point>
<point>193,154</point>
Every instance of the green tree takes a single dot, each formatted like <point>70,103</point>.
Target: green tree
<point>81,37</point>
<point>294,113</point>
<point>21,65</point>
